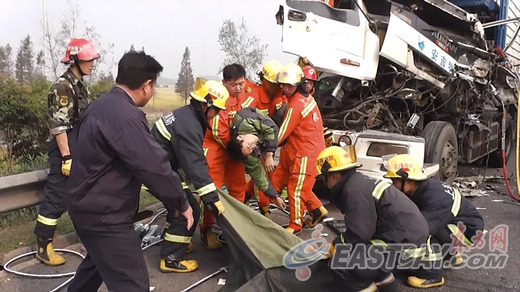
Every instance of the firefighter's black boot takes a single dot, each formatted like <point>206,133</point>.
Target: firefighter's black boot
<point>46,253</point>
<point>173,265</point>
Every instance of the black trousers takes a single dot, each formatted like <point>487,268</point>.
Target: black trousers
<point>177,236</point>
<point>355,278</point>
<point>56,199</point>
<point>114,256</point>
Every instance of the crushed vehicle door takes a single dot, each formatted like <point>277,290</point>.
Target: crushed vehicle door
<point>337,41</point>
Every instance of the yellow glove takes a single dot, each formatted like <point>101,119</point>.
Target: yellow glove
<point>219,206</point>
<point>66,163</point>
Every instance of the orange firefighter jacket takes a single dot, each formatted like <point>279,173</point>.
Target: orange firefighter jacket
<point>258,98</point>
<point>301,131</point>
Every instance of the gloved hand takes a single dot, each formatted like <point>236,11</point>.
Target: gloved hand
<point>66,163</point>
<point>218,207</point>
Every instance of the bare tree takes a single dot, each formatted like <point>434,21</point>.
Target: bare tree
<point>71,25</point>
<point>185,80</point>
<point>240,46</point>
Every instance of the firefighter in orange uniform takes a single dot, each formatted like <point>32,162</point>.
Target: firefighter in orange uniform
<point>301,135</point>
<point>269,100</point>
<point>311,77</point>
<point>221,168</point>
<point>249,86</point>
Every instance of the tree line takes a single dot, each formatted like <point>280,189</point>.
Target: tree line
<point>26,75</point>
<point>24,127</point>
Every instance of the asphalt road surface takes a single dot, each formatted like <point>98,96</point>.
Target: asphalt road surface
<point>494,204</point>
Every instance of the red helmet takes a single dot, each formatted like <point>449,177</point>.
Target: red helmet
<point>82,48</point>
<point>309,73</point>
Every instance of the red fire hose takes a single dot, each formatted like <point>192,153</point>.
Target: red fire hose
<point>504,168</point>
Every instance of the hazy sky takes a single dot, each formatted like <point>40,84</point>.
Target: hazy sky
<point>163,27</point>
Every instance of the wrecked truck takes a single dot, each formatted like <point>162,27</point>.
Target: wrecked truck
<point>414,68</point>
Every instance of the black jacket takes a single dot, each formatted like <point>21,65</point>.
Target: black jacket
<point>115,155</point>
<point>441,205</point>
<point>376,210</point>
<point>180,133</point>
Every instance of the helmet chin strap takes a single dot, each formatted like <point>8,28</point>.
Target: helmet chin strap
<point>209,104</point>
<point>404,175</point>
<point>75,61</point>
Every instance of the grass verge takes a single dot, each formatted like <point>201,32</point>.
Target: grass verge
<point>16,227</point>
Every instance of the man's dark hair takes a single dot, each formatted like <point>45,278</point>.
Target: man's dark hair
<point>135,68</point>
<point>233,72</point>
<point>234,148</point>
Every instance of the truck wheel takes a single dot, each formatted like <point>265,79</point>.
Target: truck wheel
<point>441,147</point>
<point>495,158</point>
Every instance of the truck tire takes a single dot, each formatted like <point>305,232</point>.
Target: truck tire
<point>495,158</point>
<point>441,147</point>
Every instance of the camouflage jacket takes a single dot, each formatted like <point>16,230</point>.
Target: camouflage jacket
<point>67,98</point>
<point>252,121</point>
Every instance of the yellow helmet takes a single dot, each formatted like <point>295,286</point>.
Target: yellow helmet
<point>290,74</point>
<point>335,158</point>
<point>270,70</point>
<point>405,166</point>
<point>212,92</point>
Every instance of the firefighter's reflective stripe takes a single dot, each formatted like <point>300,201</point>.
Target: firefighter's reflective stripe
<point>419,252</point>
<point>378,242</point>
<point>214,130</point>
<point>309,108</point>
<point>457,198</point>
<point>207,189</point>
<point>298,191</point>
<point>381,186</point>
<point>162,130</point>
<point>257,193</point>
<point>285,124</point>
<point>431,255</point>
<point>248,101</point>
<point>459,235</point>
<point>205,150</point>
<point>201,206</point>
<point>185,186</point>
<point>47,221</point>
<point>177,238</point>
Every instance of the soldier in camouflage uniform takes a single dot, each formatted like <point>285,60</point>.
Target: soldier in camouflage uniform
<point>67,98</point>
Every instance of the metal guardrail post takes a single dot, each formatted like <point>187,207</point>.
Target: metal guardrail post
<point>22,190</point>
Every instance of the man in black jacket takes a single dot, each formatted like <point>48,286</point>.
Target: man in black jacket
<point>376,214</point>
<point>115,155</point>
<point>180,133</point>
<point>445,209</point>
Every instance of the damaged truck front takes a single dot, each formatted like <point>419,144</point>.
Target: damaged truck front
<point>419,68</point>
